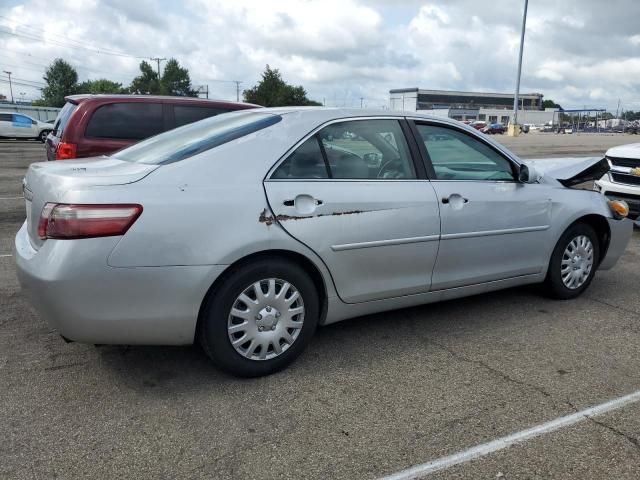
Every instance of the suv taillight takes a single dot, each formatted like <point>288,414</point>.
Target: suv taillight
<point>66,151</point>
<point>70,221</point>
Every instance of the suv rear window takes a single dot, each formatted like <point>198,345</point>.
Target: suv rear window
<point>187,114</point>
<point>189,140</point>
<point>63,118</point>
<point>131,121</point>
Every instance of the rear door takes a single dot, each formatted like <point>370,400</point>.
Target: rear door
<point>353,194</point>
<point>493,227</point>
<point>114,126</point>
<point>23,126</point>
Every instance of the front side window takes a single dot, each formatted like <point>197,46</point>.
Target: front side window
<point>458,156</point>
<point>127,121</point>
<point>352,150</point>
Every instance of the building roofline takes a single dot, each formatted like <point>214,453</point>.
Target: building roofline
<point>468,94</point>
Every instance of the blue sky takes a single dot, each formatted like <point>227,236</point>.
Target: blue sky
<point>577,53</point>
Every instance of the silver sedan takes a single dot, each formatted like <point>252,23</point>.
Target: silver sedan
<point>247,230</point>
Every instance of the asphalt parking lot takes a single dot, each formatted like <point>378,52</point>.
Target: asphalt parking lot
<point>370,397</point>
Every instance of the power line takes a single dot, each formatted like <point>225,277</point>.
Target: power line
<point>66,45</point>
<point>79,43</point>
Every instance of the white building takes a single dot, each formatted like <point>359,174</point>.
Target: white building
<point>488,107</point>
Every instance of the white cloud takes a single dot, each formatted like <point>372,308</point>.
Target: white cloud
<point>341,50</point>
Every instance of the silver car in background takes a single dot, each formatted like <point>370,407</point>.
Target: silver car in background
<point>247,230</point>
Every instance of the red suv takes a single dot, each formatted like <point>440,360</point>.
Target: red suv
<point>92,125</point>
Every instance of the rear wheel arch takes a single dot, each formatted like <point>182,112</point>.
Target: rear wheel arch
<point>304,262</point>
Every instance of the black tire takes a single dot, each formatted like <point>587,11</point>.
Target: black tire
<point>43,136</point>
<point>555,286</point>
<point>213,334</point>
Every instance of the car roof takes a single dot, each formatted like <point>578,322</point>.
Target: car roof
<point>103,97</point>
<point>328,113</point>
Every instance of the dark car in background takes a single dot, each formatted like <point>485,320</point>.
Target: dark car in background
<point>92,125</point>
<point>494,128</point>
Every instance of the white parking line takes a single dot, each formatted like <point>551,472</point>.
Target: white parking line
<point>11,198</point>
<point>419,471</point>
<point>6,255</point>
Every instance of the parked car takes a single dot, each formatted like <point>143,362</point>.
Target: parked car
<point>622,182</point>
<point>478,124</point>
<point>493,129</point>
<point>246,231</point>
<point>91,125</point>
<point>19,125</point>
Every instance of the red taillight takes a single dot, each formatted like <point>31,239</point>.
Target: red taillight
<point>64,221</point>
<point>66,151</point>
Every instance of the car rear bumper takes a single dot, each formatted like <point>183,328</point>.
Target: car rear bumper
<point>621,231</point>
<point>72,287</point>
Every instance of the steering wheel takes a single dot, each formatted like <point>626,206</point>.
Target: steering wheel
<point>390,169</point>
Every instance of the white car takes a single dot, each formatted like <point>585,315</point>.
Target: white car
<point>19,125</point>
<point>622,182</point>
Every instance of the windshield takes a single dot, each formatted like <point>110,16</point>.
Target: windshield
<point>194,138</point>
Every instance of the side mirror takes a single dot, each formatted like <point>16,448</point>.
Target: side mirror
<point>528,174</point>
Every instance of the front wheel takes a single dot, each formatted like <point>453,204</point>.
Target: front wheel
<point>573,262</point>
<point>260,318</point>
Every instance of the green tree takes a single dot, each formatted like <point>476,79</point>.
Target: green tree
<point>62,80</point>
<point>550,104</point>
<point>101,85</point>
<point>147,82</point>
<point>273,91</point>
<point>175,80</point>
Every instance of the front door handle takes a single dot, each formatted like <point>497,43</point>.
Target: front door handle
<point>454,197</point>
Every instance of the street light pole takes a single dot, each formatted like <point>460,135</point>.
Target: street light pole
<point>10,88</point>
<point>515,99</point>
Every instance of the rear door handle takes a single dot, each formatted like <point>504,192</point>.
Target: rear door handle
<point>292,203</point>
<point>446,200</point>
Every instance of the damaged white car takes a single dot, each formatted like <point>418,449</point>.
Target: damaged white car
<point>247,230</point>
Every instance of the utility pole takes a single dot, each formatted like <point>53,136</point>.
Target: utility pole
<point>618,109</point>
<point>361,100</point>
<point>10,87</point>
<point>237,82</point>
<point>158,60</point>
<point>515,99</point>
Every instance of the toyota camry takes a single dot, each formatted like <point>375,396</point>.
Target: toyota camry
<point>246,231</point>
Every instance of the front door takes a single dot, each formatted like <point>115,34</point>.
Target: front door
<point>353,194</point>
<point>23,126</point>
<point>493,227</point>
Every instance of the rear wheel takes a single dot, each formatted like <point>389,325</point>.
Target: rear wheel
<point>260,318</point>
<point>573,262</point>
<point>43,135</point>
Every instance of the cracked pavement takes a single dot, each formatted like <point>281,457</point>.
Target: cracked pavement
<point>370,396</point>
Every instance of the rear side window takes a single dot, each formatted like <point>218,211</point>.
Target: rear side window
<point>185,114</point>
<point>63,118</point>
<point>129,121</point>
<point>189,140</point>
<point>5,117</point>
<point>306,161</point>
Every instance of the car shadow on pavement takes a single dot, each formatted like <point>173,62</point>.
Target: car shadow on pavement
<point>357,343</point>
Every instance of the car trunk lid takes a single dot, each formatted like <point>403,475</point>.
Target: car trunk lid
<point>48,182</point>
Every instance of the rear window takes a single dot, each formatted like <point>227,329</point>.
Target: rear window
<point>63,118</point>
<point>185,114</point>
<point>128,121</point>
<point>5,117</point>
<point>189,140</point>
